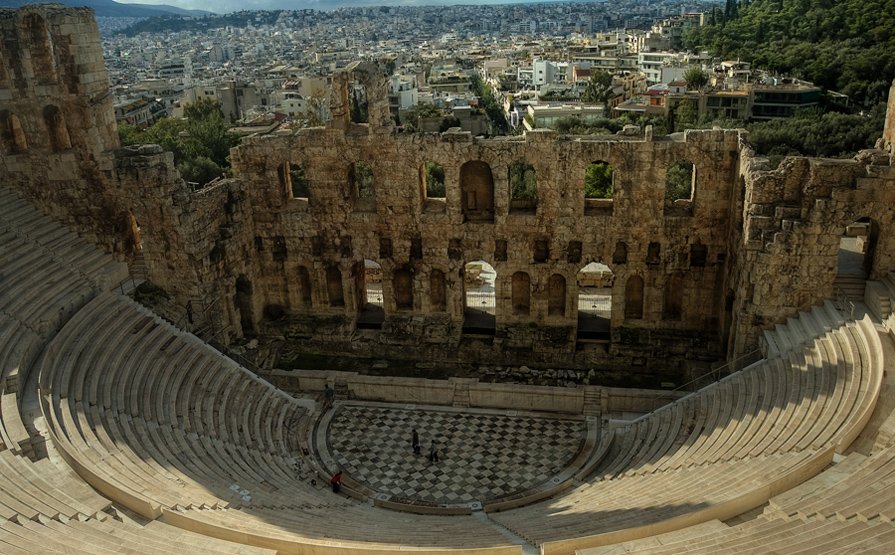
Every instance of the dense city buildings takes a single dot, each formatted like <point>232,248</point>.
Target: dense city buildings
<point>536,58</point>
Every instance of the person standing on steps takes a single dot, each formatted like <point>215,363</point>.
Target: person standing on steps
<point>328,395</point>
<point>336,481</point>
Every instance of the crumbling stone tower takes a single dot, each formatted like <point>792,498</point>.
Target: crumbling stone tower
<point>57,124</point>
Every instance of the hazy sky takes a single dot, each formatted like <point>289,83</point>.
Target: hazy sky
<point>223,6</point>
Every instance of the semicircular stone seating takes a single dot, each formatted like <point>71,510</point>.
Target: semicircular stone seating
<point>166,426</point>
<point>47,274</point>
<point>723,450</point>
<point>200,451</point>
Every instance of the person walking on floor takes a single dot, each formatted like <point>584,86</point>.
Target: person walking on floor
<point>433,452</point>
<point>415,442</point>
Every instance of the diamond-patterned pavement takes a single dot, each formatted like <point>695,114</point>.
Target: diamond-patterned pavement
<point>483,455</point>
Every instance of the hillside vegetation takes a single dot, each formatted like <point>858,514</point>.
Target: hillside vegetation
<point>842,45</point>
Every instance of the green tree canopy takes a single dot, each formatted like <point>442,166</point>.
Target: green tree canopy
<point>679,181</point>
<point>523,181</point>
<point>598,180</point>
<point>434,180</point>
<point>696,78</point>
<point>847,45</point>
<point>197,139</point>
<point>599,87</point>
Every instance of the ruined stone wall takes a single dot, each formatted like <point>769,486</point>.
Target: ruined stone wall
<point>190,238</point>
<point>57,124</point>
<point>794,217</point>
<point>402,230</point>
<point>255,254</point>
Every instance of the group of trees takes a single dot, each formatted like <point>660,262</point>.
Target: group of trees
<point>200,141</point>
<point>427,110</point>
<point>491,105</point>
<point>846,46</point>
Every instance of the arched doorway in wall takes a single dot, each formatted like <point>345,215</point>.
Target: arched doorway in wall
<point>243,301</point>
<point>855,258</point>
<point>135,237</point>
<point>477,191</point>
<point>595,302</point>
<point>480,312</point>
<point>371,315</point>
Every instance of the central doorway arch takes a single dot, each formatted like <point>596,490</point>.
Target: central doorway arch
<point>371,314</point>
<point>595,301</point>
<point>480,311</point>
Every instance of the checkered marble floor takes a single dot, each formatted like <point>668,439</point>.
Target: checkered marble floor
<point>483,456</point>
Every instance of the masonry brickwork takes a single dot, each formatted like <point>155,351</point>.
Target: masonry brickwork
<point>257,255</point>
<point>57,122</point>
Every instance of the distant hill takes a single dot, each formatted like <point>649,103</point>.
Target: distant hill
<point>109,8</point>
<point>166,23</point>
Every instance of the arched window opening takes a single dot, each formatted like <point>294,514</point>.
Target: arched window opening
<point>680,182</point>
<point>334,290</point>
<point>521,294</point>
<point>523,187</point>
<point>135,240</point>
<point>433,179</point>
<point>295,183</point>
<point>304,287</point>
<point>598,180</point>
<point>595,301</point>
<point>654,253</point>
<point>359,104</point>
<point>42,62</point>
<point>556,296</point>
<point>477,191</point>
<point>12,132</point>
<point>368,277</point>
<point>244,305</point>
<point>634,298</point>
<point>698,255</point>
<point>402,283</point>
<point>437,291</point>
<point>479,279</point>
<point>56,128</point>
<point>360,178</point>
<point>856,254</point>
<point>673,298</point>
<point>620,256</point>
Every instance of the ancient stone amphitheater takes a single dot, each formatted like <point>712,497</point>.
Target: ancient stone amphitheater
<point>122,431</point>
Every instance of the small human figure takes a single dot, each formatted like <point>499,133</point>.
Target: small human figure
<point>336,481</point>
<point>433,452</point>
<point>415,442</point>
<point>328,396</point>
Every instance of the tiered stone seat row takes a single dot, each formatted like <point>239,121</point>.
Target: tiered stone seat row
<point>160,422</point>
<point>45,236</point>
<point>848,511</point>
<point>353,529</point>
<point>46,274</point>
<point>879,296</point>
<point>799,401</point>
<point>722,450</point>
<point>860,495</point>
<point>797,332</point>
<point>766,535</point>
<point>111,537</point>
